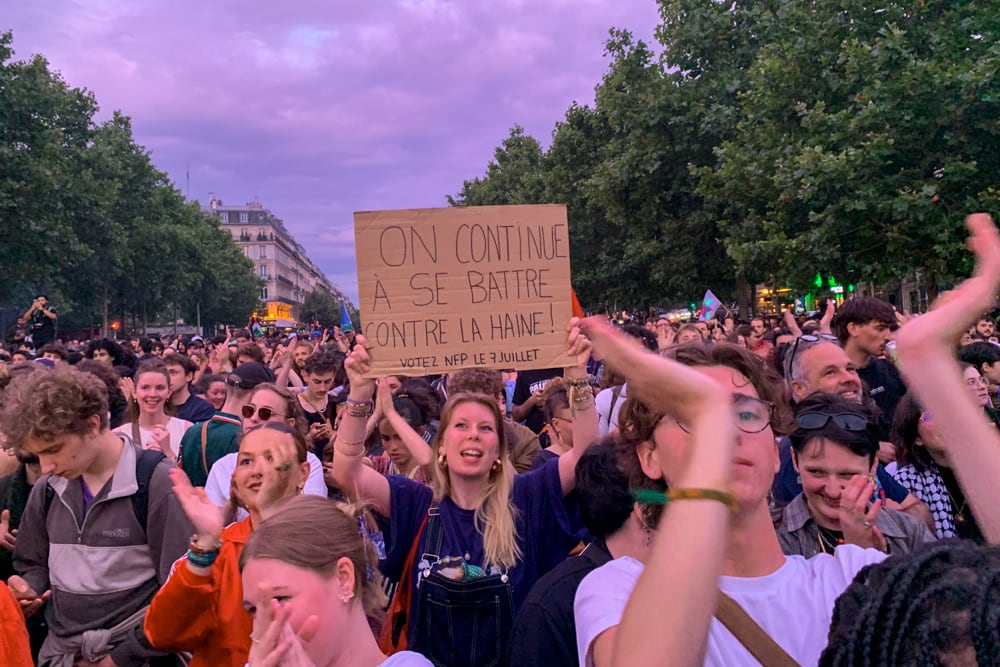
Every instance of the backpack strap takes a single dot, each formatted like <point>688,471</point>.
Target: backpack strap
<point>145,466</point>
<point>753,637</point>
<point>204,445</point>
<point>616,393</point>
<point>136,435</point>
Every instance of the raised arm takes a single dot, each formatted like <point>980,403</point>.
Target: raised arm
<point>352,476</point>
<point>581,395</point>
<point>669,612</point>
<point>926,349</point>
<point>417,446</point>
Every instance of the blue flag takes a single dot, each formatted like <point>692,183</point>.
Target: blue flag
<point>709,305</point>
<point>345,320</point>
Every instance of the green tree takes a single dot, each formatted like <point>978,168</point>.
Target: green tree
<point>866,133</point>
<point>320,306</point>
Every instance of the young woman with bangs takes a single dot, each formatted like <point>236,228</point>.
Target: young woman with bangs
<point>481,535</point>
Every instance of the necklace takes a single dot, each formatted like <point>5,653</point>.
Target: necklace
<point>828,539</point>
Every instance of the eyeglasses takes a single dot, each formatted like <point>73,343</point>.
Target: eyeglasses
<point>976,381</point>
<point>265,412</point>
<point>806,338</point>
<point>812,421</point>
<point>753,415</point>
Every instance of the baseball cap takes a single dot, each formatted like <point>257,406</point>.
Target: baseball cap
<point>249,375</point>
<point>197,339</point>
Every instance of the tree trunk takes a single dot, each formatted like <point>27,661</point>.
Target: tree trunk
<point>744,296</point>
<point>104,314</point>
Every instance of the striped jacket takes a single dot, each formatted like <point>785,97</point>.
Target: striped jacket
<point>101,566</point>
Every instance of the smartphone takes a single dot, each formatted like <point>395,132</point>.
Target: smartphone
<point>879,493</point>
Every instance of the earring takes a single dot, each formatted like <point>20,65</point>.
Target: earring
<point>442,461</point>
<point>497,465</point>
<point>346,596</point>
<point>299,488</point>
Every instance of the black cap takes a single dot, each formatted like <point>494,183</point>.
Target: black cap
<point>249,375</point>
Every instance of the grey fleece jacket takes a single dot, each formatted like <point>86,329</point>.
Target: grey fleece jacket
<point>100,565</point>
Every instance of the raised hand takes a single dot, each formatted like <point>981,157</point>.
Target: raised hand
<point>857,519</point>
<point>207,518</point>
<point>577,344</point>
<point>160,441</point>
<point>357,364</point>
<point>279,477</point>
<point>275,643</point>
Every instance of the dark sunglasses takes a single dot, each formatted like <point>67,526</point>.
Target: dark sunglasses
<point>812,421</point>
<point>265,412</point>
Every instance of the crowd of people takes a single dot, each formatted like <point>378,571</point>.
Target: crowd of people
<point>783,491</point>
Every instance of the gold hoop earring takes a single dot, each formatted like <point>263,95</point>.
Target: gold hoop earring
<point>497,465</point>
<point>442,461</point>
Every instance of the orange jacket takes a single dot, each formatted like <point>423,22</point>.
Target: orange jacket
<point>15,648</point>
<point>204,615</point>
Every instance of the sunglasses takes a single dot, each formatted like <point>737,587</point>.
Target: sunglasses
<point>812,421</point>
<point>265,412</point>
<point>753,415</point>
<point>809,339</point>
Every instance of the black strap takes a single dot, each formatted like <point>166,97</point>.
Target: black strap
<point>145,466</point>
<point>615,394</point>
<point>435,535</point>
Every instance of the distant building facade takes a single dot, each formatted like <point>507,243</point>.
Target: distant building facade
<point>278,259</point>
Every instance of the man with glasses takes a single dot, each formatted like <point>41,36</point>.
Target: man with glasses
<point>204,444</point>
<point>817,363</point>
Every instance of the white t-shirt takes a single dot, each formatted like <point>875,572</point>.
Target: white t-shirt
<point>608,414</point>
<point>794,604</point>
<point>221,474</point>
<point>406,659</point>
<point>175,427</point>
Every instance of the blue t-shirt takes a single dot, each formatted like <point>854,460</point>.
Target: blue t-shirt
<point>548,527</point>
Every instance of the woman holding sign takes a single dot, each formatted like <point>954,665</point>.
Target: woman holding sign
<point>469,547</point>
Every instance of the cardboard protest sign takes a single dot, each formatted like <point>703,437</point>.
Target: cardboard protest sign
<point>448,288</point>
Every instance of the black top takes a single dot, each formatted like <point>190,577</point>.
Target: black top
<point>885,387</point>
<point>14,491</point>
<point>544,631</point>
<point>43,329</point>
<point>527,383</point>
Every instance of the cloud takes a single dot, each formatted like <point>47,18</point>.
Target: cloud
<point>319,109</point>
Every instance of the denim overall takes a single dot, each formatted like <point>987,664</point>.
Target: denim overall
<point>459,623</point>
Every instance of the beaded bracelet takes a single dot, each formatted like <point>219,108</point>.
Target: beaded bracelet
<point>360,408</point>
<point>576,383</point>
<point>202,559</point>
<point>649,497</point>
<point>198,549</point>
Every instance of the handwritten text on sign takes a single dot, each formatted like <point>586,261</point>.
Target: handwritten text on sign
<point>449,288</point>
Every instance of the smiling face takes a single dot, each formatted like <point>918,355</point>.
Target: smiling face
<point>471,441</point>
<point>216,394</point>
<point>826,367</point>
<point>755,461</point>
<point>825,468</point>
<point>152,390</point>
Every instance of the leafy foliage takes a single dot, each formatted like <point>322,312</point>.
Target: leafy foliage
<point>89,219</point>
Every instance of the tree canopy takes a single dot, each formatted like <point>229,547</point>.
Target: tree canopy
<point>89,219</point>
<point>769,141</point>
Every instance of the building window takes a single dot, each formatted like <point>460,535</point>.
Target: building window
<point>263,271</point>
<point>224,217</point>
<point>244,217</point>
<point>263,293</point>
<point>263,252</point>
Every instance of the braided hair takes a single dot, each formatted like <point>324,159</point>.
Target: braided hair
<point>919,609</point>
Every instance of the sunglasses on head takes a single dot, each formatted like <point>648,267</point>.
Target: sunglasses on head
<point>816,420</point>
<point>265,412</point>
<point>809,339</point>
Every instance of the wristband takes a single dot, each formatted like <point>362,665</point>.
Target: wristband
<point>360,408</point>
<point>202,559</point>
<point>649,497</point>
<point>196,548</point>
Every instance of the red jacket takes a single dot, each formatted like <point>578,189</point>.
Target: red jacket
<point>204,615</point>
<point>15,649</point>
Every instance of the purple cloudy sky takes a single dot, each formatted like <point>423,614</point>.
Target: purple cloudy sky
<point>320,108</point>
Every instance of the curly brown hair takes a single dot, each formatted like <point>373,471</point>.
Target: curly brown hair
<point>46,404</point>
<point>637,421</point>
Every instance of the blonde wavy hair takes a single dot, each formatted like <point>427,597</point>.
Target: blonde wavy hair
<point>496,516</point>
